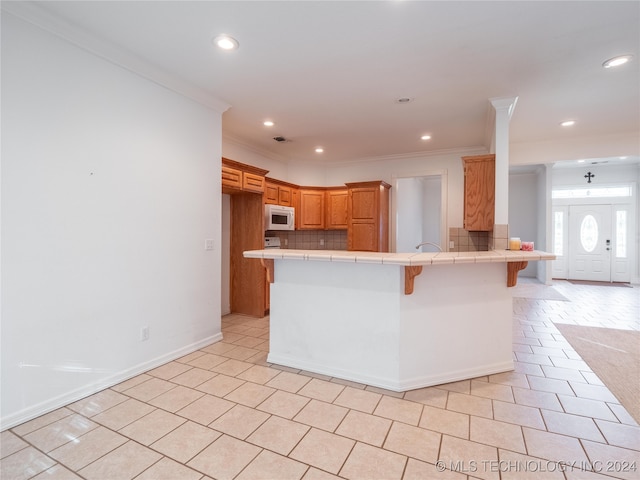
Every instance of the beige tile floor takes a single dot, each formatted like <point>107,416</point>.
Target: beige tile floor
<point>224,413</point>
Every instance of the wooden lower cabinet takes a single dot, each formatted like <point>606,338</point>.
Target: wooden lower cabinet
<point>368,216</point>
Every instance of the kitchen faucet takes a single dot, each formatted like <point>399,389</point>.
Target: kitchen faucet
<point>429,243</point>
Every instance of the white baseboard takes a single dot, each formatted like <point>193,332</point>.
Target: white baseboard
<point>393,384</point>
<point>73,396</point>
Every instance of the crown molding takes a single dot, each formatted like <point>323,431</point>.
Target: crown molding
<point>39,17</point>
<point>226,138</point>
<point>478,150</point>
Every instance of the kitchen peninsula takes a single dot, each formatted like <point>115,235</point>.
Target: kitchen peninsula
<point>398,321</point>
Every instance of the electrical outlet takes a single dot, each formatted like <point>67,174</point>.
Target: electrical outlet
<point>144,334</point>
<point>451,244</point>
<point>208,244</point>
<point>321,242</point>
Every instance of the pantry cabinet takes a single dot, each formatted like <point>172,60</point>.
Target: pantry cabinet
<point>368,216</point>
<point>245,186</point>
<point>479,192</point>
<point>336,211</point>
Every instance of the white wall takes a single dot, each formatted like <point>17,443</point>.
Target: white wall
<point>523,213</point>
<point>423,164</point>
<point>418,202</point>
<point>110,186</point>
<point>244,154</point>
<point>409,218</point>
<point>432,200</point>
<point>575,148</point>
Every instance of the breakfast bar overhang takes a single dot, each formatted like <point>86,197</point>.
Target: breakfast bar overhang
<point>393,320</point>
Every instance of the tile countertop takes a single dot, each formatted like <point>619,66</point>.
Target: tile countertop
<point>404,259</point>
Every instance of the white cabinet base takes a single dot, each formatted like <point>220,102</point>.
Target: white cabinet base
<point>353,321</point>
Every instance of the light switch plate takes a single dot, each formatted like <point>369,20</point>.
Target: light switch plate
<point>208,244</point>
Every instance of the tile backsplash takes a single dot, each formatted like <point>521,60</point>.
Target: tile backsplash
<point>312,239</point>
<point>465,241</point>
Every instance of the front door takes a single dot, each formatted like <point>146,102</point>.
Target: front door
<point>590,242</point>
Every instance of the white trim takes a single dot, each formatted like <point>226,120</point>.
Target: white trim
<point>83,39</point>
<point>586,189</point>
<point>401,156</point>
<point>92,388</point>
<point>387,383</point>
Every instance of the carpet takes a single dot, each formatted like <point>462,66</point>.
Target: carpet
<point>614,356</point>
<point>600,284</point>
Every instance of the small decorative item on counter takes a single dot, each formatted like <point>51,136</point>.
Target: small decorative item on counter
<point>514,243</point>
<point>527,246</point>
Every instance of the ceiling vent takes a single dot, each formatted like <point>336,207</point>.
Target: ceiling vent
<point>280,139</point>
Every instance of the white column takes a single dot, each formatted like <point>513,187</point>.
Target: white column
<point>504,109</point>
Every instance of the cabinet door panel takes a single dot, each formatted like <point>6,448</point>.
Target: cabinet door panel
<point>363,237</point>
<point>479,193</point>
<point>231,177</point>
<point>284,196</point>
<point>312,209</point>
<point>252,183</point>
<point>336,218</point>
<point>363,204</point>
<point>271,194</point>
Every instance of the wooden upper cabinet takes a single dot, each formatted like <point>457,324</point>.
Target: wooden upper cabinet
<point>479,192</point>
<point>231,177</point>
<point>252,182</point>
<point>239,177</point>
<point>271,193</point>
<point>277,192</point>
<point>311,212</point>
<point>336,213</point>
<point>368,216</point>
<point>284,196</point>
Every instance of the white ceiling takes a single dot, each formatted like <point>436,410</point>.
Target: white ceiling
<point>329,72</point>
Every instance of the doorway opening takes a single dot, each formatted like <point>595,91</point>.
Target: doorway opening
<point>592,232</point>
<point>420,205</point>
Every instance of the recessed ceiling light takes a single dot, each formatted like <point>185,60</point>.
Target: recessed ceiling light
<point>268,123</point>
<point>319,149</point>
<point>425,137</point>
<point>226,42</point>
<point>617,61</point>
<point>568,123</point>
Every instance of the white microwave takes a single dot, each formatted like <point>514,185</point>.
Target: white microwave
<point>277,217</point>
